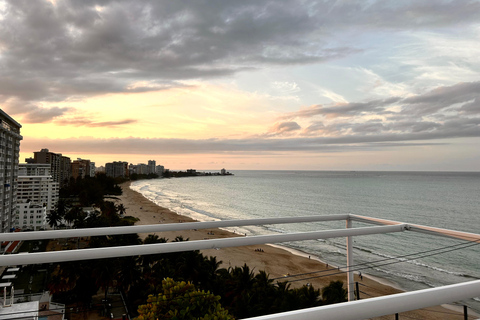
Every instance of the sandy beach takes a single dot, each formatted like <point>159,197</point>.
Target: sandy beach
<point>276,261</point>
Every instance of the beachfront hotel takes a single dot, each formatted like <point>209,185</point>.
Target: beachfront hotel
<point>9,152</point>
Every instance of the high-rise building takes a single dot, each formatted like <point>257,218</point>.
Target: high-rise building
<point>142,168</point>
<point>60,165</point>
<point>151,166</point>
<point>35,183</point>
<point>9,152</point>
<point>117,169</point>
<point>81,168</point>
<point>37,195</point>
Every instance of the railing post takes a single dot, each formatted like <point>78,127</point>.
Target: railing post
<point>465,312</point>
<point>350,283</point>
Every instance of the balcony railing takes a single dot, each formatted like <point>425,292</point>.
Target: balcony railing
<point>352,310</point>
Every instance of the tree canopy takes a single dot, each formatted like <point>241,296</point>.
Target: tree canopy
<point>182,301</point>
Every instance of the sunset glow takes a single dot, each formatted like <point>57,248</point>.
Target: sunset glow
<point>246,85</point>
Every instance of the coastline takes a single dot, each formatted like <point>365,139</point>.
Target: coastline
<point>276,260</point>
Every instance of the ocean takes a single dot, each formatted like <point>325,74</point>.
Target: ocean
<point>411,261</point>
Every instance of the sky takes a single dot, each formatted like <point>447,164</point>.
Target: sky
<point>246,85</point>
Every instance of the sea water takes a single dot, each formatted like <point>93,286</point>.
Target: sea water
<point>410,260</point>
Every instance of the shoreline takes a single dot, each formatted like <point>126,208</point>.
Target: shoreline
<point>278,261</point>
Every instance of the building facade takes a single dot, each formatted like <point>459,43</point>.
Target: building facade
<point>81,168</point>
<point>159,170</point>
<point>60,165</point>
<point>37,196</point>
<point>92,169</point>
<point>9,152</point>
<point>117,169</point>
<point>30,216</point>
<point>151,166</point>
<point>142,168</point>
<point>35,184</point>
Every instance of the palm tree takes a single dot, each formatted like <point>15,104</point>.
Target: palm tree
<point>263,294</point>
<point>334,292</point>
<point>148,261</point>
<point>105,271</point>
<point>243,278</point>
<point>309,297</point>
<point>55,216</point>
<point>262,279</point>
<point>153,238</point>
<point>121,209</point>
<point>109,211</point>
<point>282,298</point>
<point>53,219</point>
<point>129,273</point>
<point>76,216</point>
<point>209,272</point>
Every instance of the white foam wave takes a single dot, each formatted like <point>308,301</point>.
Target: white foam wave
<point>417,263</point>
<point>407,276</point>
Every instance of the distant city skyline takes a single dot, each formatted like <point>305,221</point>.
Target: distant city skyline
<point>246,85</point>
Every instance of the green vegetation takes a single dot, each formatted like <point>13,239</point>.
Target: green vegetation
<point>179,301</point>
<point>136,176</point>
<point>89,192</point>
<point>142,279</point>
<point>334,292</point>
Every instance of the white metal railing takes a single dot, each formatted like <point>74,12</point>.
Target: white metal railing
<point>109,231</point>
<point>386,305</point>
<point>354,310</point>
<point>156,248</point>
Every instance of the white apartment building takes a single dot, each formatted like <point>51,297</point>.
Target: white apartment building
<point>9,152</point>
<point>37,194</point>
<point>30,216</point>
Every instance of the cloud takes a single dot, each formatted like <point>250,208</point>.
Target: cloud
<point>344,109</point>
<point>284,128</point>
<point>53,51</point>
<point>446,111</point>
<point>41,115</point>
<point>87,122</point>
<point>33,113</point>
<point>285,87</point>
<point>136,146</point>
<point>441,98</point>
<point>471,108</point>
